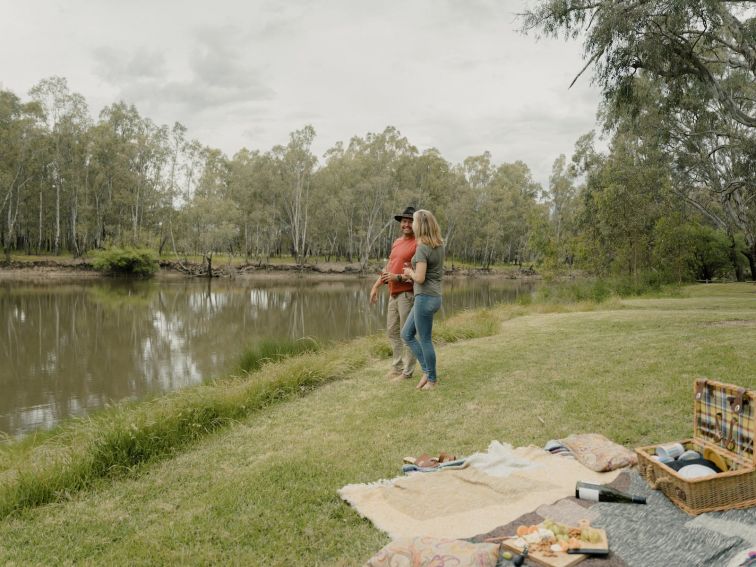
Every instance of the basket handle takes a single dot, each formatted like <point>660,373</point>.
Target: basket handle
<point>718,436</point>
<point>730,442</point>
<point>700,386</point>
<point>659,482</point>
<point>664,481</point>
<point>737,401</point>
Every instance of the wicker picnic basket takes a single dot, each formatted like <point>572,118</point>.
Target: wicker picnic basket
<point>724,420</point>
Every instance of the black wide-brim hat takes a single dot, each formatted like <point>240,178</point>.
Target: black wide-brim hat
<point>408,213</point>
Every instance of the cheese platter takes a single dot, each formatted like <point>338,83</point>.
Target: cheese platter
<point>551,544</point>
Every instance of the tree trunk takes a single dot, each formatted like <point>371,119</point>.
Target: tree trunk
<point>751,255</point>
<point>56,246</point>
<point>246,242</point>
<point>163,241</point>
<point>7,241</point>
<point>39,241</point>
<point>135,218</point>
<point>74,207</point>
<point>209,258</point>
<point>739,275</point>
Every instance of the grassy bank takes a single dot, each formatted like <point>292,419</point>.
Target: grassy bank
<point>53,465</point>
<point>262,490</point>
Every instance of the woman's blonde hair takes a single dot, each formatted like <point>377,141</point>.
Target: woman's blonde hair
<point>426,229</point>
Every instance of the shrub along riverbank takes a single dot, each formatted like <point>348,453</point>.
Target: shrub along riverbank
<point>262,490</point>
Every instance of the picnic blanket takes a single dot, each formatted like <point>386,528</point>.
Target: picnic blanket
<point>655,535</point>
<point>494,488</point>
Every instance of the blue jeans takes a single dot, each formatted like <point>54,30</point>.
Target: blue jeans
<point>419,324</point>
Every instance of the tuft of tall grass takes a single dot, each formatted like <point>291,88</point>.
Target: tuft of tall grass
<point>467,325</point>
<point>273,350</point>
<point>119,440</point>
<point>380,347</point>
<point>600,290</point>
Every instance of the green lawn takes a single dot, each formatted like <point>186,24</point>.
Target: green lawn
<point>263,491</point>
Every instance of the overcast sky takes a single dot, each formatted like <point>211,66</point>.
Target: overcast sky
<point>451,74</point>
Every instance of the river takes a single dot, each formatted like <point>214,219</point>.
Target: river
<point>70,347</point>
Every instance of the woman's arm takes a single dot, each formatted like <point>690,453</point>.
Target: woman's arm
<point>418,274</point>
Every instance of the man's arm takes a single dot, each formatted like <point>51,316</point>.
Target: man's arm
<point>376,286</point>
<point>382,279</point>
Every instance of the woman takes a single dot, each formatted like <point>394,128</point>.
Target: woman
<point>426,273</point>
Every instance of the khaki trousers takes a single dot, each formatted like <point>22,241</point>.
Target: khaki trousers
<point>399,308</point>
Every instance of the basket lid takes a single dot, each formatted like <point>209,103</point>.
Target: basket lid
<point>725,414</point>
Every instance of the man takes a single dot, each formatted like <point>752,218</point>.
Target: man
<point>401,297</point>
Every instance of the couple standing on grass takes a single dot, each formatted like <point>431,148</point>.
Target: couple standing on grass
<point>413,273</point>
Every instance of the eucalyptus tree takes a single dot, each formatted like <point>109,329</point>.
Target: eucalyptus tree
<point>380,160</point>
<point>515,195</point>
<point>432,182</point>
<point>368,173</point>
<point>170,197</point>
<point>117,147</point>
<point>700,58</point>
<point>498,224</point>
<point>624,197</point>
<point>712,173</point>
<point>131,176</point>
<point>75,126</point>
<point>66,117</point>
<point>252,178</point>
<point>562,195</point>
<point>294,167</point>
<point>714,168</point>
<point>211,215</point>
<point>474,217</point>
<point>690,45</point>
<point>106,173</point>
<point>333,219</point>
<point>20,142</point>
<point>492,209</point>
<point>686,249</point>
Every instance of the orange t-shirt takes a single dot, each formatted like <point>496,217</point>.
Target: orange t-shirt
<point>402,251</point>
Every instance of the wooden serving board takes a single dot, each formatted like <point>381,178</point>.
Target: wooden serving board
<point>561,558</point>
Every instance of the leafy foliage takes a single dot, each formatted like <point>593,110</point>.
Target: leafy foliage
<point>680,77</point>
<point>270,350</point>
<point>126,261</point>
<point>71,183</point>
<point>694,251</point>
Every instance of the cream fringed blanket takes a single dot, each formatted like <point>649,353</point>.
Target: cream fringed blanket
<point>495,488</point>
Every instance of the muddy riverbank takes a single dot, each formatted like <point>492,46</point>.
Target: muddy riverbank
<point>53,269</point>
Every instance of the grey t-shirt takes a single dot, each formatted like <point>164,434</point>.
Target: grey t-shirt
<point>434,258</point>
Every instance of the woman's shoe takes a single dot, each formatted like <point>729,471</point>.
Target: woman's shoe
<point>423,381</point>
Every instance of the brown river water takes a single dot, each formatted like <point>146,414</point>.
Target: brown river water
<point>70,347</point>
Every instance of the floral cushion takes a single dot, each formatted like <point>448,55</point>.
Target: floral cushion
<point>435,552</point>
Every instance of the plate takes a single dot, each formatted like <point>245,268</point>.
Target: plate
<point>695,471</point>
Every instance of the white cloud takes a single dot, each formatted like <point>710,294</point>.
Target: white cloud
<point>120,68</point>
<point>455,75</point>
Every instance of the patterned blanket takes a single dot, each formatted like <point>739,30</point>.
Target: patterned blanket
<point>655,535</point>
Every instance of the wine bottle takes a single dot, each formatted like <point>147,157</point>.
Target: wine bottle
<point>603,493</point>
